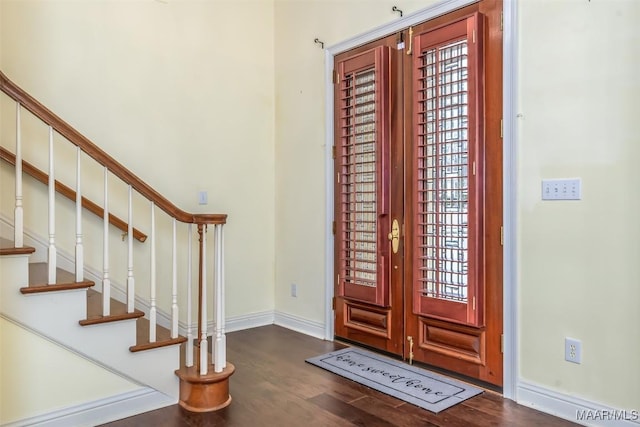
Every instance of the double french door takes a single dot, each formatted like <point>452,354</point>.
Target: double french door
<point>418,199</point>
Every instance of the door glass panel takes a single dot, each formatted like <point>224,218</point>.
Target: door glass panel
<point>443,173</point>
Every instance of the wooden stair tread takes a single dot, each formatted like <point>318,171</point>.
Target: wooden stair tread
<point>38,277</point>
<point>65,280</point>
<point>118,310</point>
<point>163,337</point>
<point>7,248</point>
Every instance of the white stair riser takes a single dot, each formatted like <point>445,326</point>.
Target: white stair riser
<point>56,315</point>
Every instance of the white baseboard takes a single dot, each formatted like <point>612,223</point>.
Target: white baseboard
<point>264,318</point>
<point>575,409</point>
<point>100,411</point>
<point>248,321</point>
<point>298,324</point>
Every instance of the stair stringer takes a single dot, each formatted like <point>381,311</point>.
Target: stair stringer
<point>56,314</point>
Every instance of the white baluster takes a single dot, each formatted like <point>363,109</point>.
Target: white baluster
<point>220,340</point>
<point>203,310</point>
<point>223,325</point>
<point>189,352</point>
<point>106,282</point>
<point>174,289</point>
<point>131,289</point>
<point>18,216</point>
<point>152,309</point>
<point>79,248</point>
<point>51,265</point>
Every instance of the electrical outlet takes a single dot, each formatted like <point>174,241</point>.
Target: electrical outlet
<point>294,290</point>
<point>572,350</point>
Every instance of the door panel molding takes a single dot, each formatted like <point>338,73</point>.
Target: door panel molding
<point>367,319</point>
<point>459,341</point>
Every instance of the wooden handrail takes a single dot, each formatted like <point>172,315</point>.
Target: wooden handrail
<point>70,194</point>
<point>76,138</point>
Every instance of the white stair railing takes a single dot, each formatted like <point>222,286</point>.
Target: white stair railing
<point>174,284</point>
<point>18,215</point>
<point>189,346</point>
<point>131,289</point>
<point>111,167</point>
<point>51,252</point>
<point>106,281</point>
<point>220,339</point>
<point>153,309</point>
<point>79,248</point>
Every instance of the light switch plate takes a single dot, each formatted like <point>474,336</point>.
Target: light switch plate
<point>202,198</point>
<point>562,189</point>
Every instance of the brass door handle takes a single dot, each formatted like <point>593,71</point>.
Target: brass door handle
<point>394,236</point>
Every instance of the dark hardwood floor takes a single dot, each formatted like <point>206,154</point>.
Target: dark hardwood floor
<point>273,386</point>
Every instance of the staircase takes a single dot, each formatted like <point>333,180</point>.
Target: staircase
<point>126,328</point>
<point>69,313</point>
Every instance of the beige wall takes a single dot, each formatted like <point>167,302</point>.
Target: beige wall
<point>62,378</point>
<point>180,92</point>
<point>579,261</point>
<point>300,138</point>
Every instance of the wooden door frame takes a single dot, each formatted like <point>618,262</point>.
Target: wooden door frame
<point>510,297</point>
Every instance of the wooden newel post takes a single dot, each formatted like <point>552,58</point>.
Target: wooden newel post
<point>202,332</point>
<point>205,386</point>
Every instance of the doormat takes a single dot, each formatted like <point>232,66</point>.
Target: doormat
<point>420,387</point>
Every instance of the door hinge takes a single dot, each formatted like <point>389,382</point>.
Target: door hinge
<point>333,151</point>
<point>501,235</point>
<point>334,227</point>
<point>474,36</point>
<point>474,303</point>
<point>338,280</point>
<point>333,303</point>
<point>473,167</point>
<point>338,177</point>
<point>501,131</point>
<point>502,343</point>
<point>336,77</point>
<point>501,21</point>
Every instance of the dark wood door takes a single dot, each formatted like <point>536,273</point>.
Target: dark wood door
<point>431,190</point>
<point>369,141</point>
<point>453,279</point>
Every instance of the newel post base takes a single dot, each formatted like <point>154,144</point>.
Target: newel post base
<point>204,393</point>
